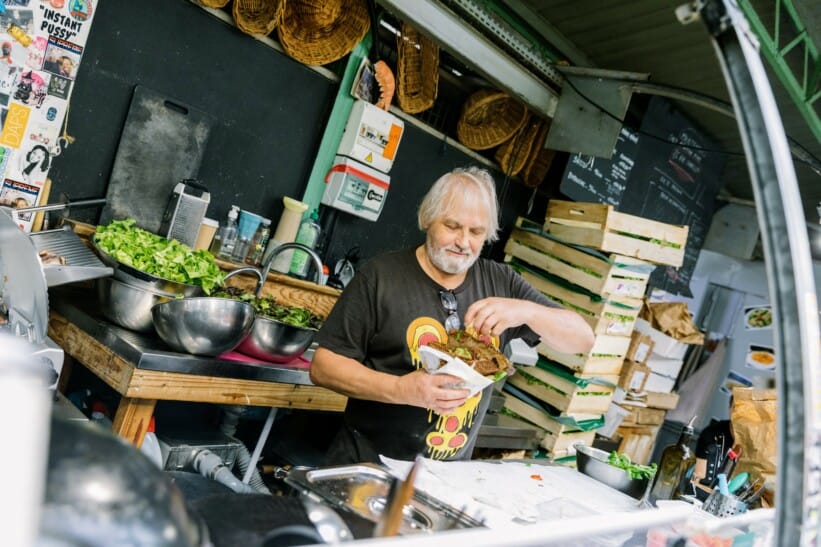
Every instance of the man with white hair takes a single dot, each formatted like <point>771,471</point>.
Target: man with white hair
<point>397,302</point>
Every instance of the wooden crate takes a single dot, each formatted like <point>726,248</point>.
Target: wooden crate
<point>638,441</point>
<point>640,415</point>
<point>558,437</point>
<point>605,357</point>
<point>615,315</point>
<point>568,393</point>
<point>601,227</point>
<point>598,274</point>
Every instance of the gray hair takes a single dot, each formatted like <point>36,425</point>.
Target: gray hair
<point>469,185</point>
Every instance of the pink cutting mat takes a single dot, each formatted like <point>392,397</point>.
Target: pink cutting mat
<point>299,362</point>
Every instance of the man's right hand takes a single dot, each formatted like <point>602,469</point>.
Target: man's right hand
<point>433,391</point>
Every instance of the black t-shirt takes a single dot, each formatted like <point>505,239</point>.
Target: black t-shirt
<point>390,309</point>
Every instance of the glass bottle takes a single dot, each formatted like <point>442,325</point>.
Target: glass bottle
<point>228,234</point>
<point>676,461</point>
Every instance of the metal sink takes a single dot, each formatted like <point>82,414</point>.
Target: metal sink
<point>363,489</point>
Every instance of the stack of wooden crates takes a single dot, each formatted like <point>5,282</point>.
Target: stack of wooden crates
<point>596,261</point>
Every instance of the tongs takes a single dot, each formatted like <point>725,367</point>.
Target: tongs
<point>399,495</point>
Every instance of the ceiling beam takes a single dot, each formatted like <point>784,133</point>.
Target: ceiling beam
<point>466,44</point>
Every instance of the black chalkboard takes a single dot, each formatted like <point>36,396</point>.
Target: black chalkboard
<point>602,180</point>
<point>674,177</point>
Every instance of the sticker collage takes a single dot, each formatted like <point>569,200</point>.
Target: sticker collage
<point>41,47</point>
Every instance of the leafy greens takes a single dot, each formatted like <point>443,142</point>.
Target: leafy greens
<point>155,255</point>
<point>268,307</point>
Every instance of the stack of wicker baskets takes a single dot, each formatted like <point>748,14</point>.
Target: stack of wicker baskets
<point>256,16</point>
<point>213,3</point>
<point>489,118</point>
<point>417,70</point>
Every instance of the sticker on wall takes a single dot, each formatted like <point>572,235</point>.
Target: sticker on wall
<point>17,195</point>
<point>761,357</point>
<point>732,380</point>
<point>5,155</point>
<point>67,21</point>
<point>62,58</point>
<point>14,125</point>
<point>59,87</point>
<point>758,317</point>
<point>31,88</point>
<point>36,53</point>
<point>34,164</point>
<point>80,10</point>
<point>23,18</point>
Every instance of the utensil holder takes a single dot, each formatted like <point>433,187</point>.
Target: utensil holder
<point>723,506</point>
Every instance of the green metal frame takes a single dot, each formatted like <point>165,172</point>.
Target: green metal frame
<point>804,88</point>
<point>335,126</point>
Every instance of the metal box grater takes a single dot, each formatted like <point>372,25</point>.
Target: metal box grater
<point>185,211</point>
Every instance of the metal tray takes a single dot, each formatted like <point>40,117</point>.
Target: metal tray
<point>363,489</point>
<point>81,262</point>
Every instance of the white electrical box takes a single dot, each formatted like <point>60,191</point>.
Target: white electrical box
<point>371,136</point>
<point>355,188</point>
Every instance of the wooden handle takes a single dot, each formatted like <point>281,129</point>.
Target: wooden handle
<point>398,498</point>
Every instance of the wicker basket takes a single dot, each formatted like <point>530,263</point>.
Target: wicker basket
<point>513,155</point>
<point>417,70</point>
<point>317,32</point>
<point>213,3</point>
<point>539,161</point>
<point>257,16</point>
<point>489,118</point>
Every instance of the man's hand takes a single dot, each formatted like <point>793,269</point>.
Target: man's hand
<point>491,316</point>
<point>433,391</point>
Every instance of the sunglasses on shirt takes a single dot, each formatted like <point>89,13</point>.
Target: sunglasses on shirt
<point>448,300</point>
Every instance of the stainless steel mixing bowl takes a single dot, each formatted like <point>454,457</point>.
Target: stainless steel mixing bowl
<point>593,463</point>
<point>127,305</point>
<point>271,340</point>
<point>203,325</point>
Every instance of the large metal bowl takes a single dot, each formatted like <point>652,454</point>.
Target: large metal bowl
<point>277,342</point>
<point>127,305</point>
<point>593,463</point>
<point>203,326</point>
<point>144,280</point>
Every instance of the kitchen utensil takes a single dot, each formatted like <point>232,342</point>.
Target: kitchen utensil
<point>593,463</point>
<point>143,280</point>
<point>737,482</point>
<point>271,340</point>
<point>184,213</point>
<point>362,489</point>
<point>128,305</point>
<point>400,494</point>
<point>202,325</point>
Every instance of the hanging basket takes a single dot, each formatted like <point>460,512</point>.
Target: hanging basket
<point>417,70</point>
<point>317,32</point>
<point>513,155</point>
<point>213,3</point>
<point>488,119</point>
<point>257,16</point>
<point>539,161</point>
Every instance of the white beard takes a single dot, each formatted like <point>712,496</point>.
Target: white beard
<point>447,263</point>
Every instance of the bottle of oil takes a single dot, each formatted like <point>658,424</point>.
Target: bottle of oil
<point>676,461</point>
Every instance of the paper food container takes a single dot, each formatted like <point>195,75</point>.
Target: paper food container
<point>439,362</point>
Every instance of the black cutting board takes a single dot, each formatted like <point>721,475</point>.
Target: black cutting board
<point>163,142</point>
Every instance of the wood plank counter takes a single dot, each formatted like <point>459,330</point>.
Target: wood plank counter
<point>143,371</point>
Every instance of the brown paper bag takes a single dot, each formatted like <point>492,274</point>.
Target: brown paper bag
<point>753,421</point>
<point>673,319</point>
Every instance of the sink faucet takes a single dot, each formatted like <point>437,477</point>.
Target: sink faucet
<point>319,276</point>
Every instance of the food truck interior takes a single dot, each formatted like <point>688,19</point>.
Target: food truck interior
<point>699,116</point>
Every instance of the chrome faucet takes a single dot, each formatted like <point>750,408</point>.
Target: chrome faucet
<point>319,276</point>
